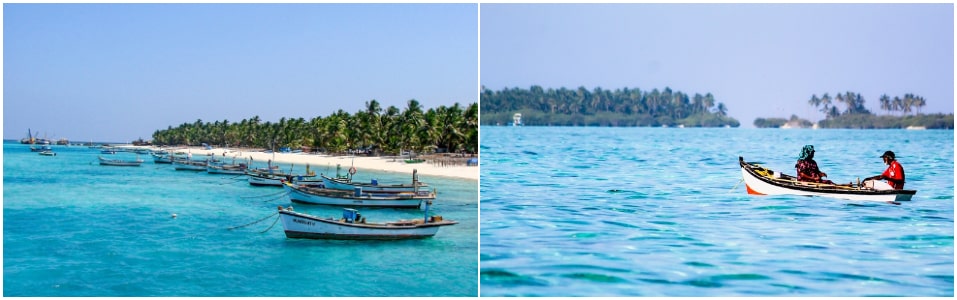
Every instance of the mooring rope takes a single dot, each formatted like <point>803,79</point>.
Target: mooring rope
<point>270,226</point>
<point>263,196</point>
<point>257,221</point>
<point>283,196</point>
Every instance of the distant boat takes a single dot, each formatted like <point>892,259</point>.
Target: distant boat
<point>916,128</point>
<point>357,197</point>
<point>121,163</point>
<point>41,148</point>
<point>48,153</point>
<point>162,158</point>
<point>353,226</point>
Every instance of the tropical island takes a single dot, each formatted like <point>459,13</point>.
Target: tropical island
<point>856,116</point>
<point>373,131</point>
<point>599,107</point>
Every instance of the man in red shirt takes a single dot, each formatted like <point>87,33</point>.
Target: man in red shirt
<point>894,173</point>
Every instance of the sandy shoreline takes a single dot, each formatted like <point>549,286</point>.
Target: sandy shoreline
<point>320,162</point>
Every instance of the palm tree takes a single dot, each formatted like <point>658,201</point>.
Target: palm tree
<point>885,103</point>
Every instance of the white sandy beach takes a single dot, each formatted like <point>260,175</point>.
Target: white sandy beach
<point>321,162</point>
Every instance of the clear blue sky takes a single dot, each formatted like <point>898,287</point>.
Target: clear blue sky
<point>760,60</point>
<point>117,72</point>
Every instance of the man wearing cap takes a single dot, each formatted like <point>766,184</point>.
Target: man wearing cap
<point>894,173</point>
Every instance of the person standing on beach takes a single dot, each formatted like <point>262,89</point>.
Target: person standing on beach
<point>894,173</point>
<point>807,169</point>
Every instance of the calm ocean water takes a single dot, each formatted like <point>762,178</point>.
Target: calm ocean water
<point>660,212</point>
<point>74,228</point>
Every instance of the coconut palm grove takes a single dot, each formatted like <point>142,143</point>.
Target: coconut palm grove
<point>373,130</point>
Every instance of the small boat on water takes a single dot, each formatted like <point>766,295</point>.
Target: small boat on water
<point>317,195</point>
<point>120,162</point>
<point>189,165</point>
<point>223,168</point>
<point>48,153</point>
<point>346,183</point>
<point>162,158</point>
<point>41,148</point>
<point>761,181</point>
<point>353,226</point>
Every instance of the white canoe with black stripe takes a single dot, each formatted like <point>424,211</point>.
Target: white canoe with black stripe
<point>762,181</point>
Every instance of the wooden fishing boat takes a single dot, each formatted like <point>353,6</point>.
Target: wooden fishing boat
<point>162,158</point>
<point>316,195</point>
<point>189,165</point>
<point>272,176</point>
<point>352,226</point>
<point>761,181</point>
<point>221,168</point>
<point>346,183</point>
<point>120,163</point>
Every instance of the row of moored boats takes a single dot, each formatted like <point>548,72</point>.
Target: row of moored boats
<point>310,188</point>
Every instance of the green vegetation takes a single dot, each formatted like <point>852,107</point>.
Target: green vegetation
<point>856,116</point>
<point>794,122</point>
<point>598,107</point>
<point>451,129</point>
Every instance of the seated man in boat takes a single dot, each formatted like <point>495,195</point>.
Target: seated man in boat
<point>807,168</point>
<point>894,173</point>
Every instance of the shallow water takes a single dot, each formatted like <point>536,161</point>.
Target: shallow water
<point>572,211</point>
<point>74,228</point>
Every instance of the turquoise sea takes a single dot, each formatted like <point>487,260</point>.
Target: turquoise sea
<point>587,211</point>
<point>74,228</point>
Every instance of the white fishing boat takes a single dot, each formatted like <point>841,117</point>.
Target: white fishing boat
<point>346,183</point>
<point>189,165</point>
<point>358,197</point>
<point>761,181</point>
<point>353,226</point>
<point>120,162</point>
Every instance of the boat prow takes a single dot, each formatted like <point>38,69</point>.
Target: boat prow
<point>762,181</point>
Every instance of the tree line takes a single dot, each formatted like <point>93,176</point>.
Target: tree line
<point>855,115</point>
<point>390,130</point>
<point>601,107</point>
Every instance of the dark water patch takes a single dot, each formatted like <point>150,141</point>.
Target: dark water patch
<point>585,235</point>
<point>879,219</point>
<point>699,264</point>
<point>564,175</point>
<point>812,247</point>
<point>622,224</point>
<point>572,221</point>
<point>502,277</point>
<point>582,166</point>
<point>656,281</point>
<point>833,275</point>
<point>529,152</point>
<point>662,222</point>
<point>599,278</point>
<point>947,278</point>
<point>773,207</point>
<point>942,197</point>
<point>800,214</point>
<point>924,237</point>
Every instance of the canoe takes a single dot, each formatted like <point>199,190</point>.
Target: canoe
<point>762,181</point>
<point>373,186</point>
<point>314,195</point>
<point>120,163</point>
<point>352,226</point>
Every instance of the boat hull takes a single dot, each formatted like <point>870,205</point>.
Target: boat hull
<point>766,184</point>
<point>298,225</point>
<point>348,198</point>
<point>338,184</point>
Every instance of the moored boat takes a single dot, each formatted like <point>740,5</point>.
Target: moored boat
<point>48,153</point>
<point>346,183</point>
<point>189,165</point>
<point>315,195</point>
<point>762,181</point>
<point>120,162</point>
<point>352,226</point>
<point>222,168</point>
